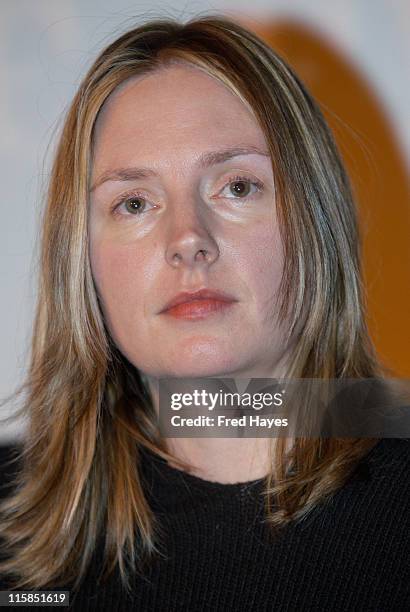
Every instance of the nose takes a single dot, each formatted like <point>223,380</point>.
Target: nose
<point>191,242</point>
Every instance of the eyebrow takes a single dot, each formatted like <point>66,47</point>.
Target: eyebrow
<point>205,160</point>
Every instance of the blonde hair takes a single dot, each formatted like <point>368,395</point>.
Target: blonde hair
<point>88,409</point>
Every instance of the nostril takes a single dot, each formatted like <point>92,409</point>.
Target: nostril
<point>203,252</point>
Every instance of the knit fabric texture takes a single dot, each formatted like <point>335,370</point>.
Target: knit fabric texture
<point>217,552</point>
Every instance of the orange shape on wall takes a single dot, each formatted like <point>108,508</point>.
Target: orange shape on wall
<point>377,170</point>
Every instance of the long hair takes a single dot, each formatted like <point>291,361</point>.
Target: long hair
<point>89,412</point>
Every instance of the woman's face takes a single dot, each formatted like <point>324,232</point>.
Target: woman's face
<point>188,221</point>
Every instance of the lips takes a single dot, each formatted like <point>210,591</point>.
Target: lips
<point>203,296</point>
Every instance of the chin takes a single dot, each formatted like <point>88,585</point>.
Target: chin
<point>202,366</point>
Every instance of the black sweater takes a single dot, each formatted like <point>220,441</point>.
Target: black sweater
<point>351,553</point>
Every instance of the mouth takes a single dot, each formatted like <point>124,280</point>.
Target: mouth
<point>199,304</point>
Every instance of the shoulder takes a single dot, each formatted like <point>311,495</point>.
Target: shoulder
<point>376,497</point>
<point>381,483</point>
<point>390,456</point>
<point>390,467</point>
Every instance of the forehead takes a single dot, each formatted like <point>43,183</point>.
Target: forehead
<point>179,108</point>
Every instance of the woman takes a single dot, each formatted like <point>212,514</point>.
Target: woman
<point>194,167</point>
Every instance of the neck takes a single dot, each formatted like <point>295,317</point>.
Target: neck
<point>223,460</point>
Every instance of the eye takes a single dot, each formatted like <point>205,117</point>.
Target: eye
<point>241,187</point>
<point>133,203</point>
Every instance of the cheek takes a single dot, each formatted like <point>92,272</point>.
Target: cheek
<point>112,272</point>
<point>263,264</point>
<point>121,290</point>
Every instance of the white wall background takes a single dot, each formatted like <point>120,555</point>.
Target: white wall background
<point>45,47</point>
